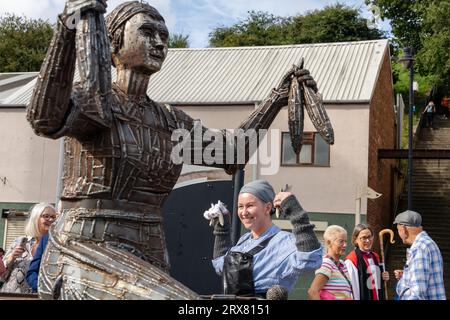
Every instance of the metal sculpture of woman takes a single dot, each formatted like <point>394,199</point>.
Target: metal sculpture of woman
<point>108,242</point>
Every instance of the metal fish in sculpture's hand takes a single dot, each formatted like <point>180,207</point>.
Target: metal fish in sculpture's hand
<point>318,114</point>
<point>303,94</point>
<point>295,115</point>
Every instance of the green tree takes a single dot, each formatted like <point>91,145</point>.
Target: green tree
<point>259,29</point>
<point>332,24</point>
<point>178,41</point>
<point>23,44</point>
<point>401,85</point>
<point>424,25</point>
<point>404,16</point>
<point>433,59</point>
<point>336,23</point>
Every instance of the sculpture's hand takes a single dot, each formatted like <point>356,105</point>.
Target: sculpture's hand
<point>74,9</point>
<point>302,76</point>
<point>81,6</point>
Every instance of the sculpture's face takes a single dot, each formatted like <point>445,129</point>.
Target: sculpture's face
<point>144,45</point>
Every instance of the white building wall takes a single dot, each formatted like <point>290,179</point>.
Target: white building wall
<point>28,163</point>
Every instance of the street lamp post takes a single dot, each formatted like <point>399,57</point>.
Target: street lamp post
<point>408,62</point>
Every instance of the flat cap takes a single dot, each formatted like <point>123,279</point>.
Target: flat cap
<point>409,218</point>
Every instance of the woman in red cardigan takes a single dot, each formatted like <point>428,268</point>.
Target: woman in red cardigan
<point>363,266</point>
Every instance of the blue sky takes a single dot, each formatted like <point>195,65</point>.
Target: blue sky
<point>196,18</point>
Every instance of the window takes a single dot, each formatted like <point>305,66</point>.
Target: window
<point>315,151</point>
<point>14,225</point>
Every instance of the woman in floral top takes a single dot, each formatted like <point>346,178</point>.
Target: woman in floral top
<point>19,255</point>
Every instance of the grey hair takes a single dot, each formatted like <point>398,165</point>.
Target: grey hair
<point>332,231</point>
<point>32,224</point>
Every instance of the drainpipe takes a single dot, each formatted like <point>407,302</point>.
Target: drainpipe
<point>255,174</point>
<point>238,180</point>
<point>60,174</point>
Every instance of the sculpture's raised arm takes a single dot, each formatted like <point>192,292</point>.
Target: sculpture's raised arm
<point>57,107</point>
<point>250,133</point>
<point>266,112</point>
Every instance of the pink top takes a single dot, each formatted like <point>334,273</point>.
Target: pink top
<point>337,285</point>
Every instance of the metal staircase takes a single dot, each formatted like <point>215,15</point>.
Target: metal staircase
<point>431,198</point>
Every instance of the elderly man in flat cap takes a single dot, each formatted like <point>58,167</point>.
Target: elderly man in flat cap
<point>265,257</point>
<point>108,243</point>
<point>422,276</point>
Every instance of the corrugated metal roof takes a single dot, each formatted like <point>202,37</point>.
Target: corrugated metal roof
<point>11,82</point>
<point>344,71</point>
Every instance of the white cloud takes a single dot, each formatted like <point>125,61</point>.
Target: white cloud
<point>44,9</point>
<point>49,9</point>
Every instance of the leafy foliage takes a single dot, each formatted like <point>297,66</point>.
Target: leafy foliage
<point>332,24</point>
<point>337,23</point>
<point>401,84</point>
<point>259,29</point>
<point>23,44</point>
<point>179,41</point>
<point>424,25</point>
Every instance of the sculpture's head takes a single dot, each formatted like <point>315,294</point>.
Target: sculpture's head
<point>138,36</point>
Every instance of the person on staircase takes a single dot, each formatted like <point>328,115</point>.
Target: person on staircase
<point>429,111</point>
<point>422,277</point>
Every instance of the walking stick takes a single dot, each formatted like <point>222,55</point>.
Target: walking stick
<point>381,234</point>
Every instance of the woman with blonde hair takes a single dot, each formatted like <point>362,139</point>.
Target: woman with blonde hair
<point>332,280</point>
<point>18,257</point>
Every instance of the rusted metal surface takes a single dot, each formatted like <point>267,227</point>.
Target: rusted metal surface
<point>417,153</point>
<point>108,242</point>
